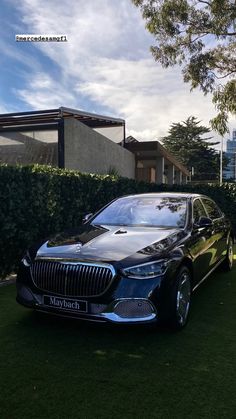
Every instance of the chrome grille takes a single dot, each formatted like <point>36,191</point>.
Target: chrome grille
<point>71,279</point>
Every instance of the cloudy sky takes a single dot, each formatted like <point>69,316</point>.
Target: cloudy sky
<point>105,67</point>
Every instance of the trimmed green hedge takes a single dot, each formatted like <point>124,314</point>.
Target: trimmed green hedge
<point>37,201</point>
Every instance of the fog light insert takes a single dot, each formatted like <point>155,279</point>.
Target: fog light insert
<point>135,308</point>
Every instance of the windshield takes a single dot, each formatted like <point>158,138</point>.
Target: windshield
<point>144,211</point>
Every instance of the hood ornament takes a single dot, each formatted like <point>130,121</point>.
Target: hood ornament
<point>78,248</point>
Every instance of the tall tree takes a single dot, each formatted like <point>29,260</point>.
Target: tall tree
<point>189,143</point>
<point>200,36</point>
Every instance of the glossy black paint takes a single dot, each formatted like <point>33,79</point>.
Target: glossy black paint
<point>200,246</point>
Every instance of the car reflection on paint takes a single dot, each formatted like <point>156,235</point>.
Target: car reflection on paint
<point>137,260</point>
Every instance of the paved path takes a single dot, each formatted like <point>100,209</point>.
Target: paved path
<point>11,279</point>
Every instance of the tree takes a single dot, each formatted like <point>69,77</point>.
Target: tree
<point>200,36</point>
<point>187,141</point>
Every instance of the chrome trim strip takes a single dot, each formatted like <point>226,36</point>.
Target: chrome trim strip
<point>208,274</point>
<point>112,317</point>
<point>131,299</point>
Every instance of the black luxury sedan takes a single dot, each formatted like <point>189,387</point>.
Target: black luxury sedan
<point>137,260</point>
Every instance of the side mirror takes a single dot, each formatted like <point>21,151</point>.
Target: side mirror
<point>204,222</point>
<point>87,217</point>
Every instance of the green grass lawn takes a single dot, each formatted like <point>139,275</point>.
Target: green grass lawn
<point>54,368</point>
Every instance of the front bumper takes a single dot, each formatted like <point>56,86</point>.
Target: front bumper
<point>120,310</point>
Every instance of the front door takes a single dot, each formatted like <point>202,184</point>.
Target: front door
<point>201,243</point>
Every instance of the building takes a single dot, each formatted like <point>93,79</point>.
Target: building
<point>91,143</point>
<point>153,163</point>
<point>66,138</point>
<point>230,172</point>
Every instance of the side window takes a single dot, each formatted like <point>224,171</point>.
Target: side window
<point>198,210</point>
<point>212,209</point>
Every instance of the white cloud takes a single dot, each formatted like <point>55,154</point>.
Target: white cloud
<point>43,92</point>
<point>146,96</point>
<point>106,60</point>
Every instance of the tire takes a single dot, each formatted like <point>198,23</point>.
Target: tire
<point>180,299</point>
<point>228,262</point>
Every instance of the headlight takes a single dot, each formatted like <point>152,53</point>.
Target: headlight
<point>146,270</point>
<point>26,260</point>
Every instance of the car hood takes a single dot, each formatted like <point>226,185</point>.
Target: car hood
<point>110,243</point>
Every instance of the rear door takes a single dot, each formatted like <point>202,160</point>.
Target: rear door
<point>219,231</point>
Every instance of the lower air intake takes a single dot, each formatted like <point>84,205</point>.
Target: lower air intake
<point>133,308</point>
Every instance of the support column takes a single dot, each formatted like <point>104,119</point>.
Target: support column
<point>160,167</point>
<point>184,181</point>
<point>178,177</point>
<point>171,174</point>
<point>61,144</point>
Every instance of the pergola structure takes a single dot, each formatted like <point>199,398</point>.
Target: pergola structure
<point>53,119</point>
<point>78,140</point>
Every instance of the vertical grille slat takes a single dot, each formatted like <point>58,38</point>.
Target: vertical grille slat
<point>80,289</point>
<point>104,279</point>
<point>95,275</point>
<point>40,267</point>
<point>92,278</point>
<point>46,277</point>
<point>89,280</point>
<point>79,280</point>
<point>60,275</point>
<point>54,275</point>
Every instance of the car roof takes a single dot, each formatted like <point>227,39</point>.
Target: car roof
<point>165,195</point>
